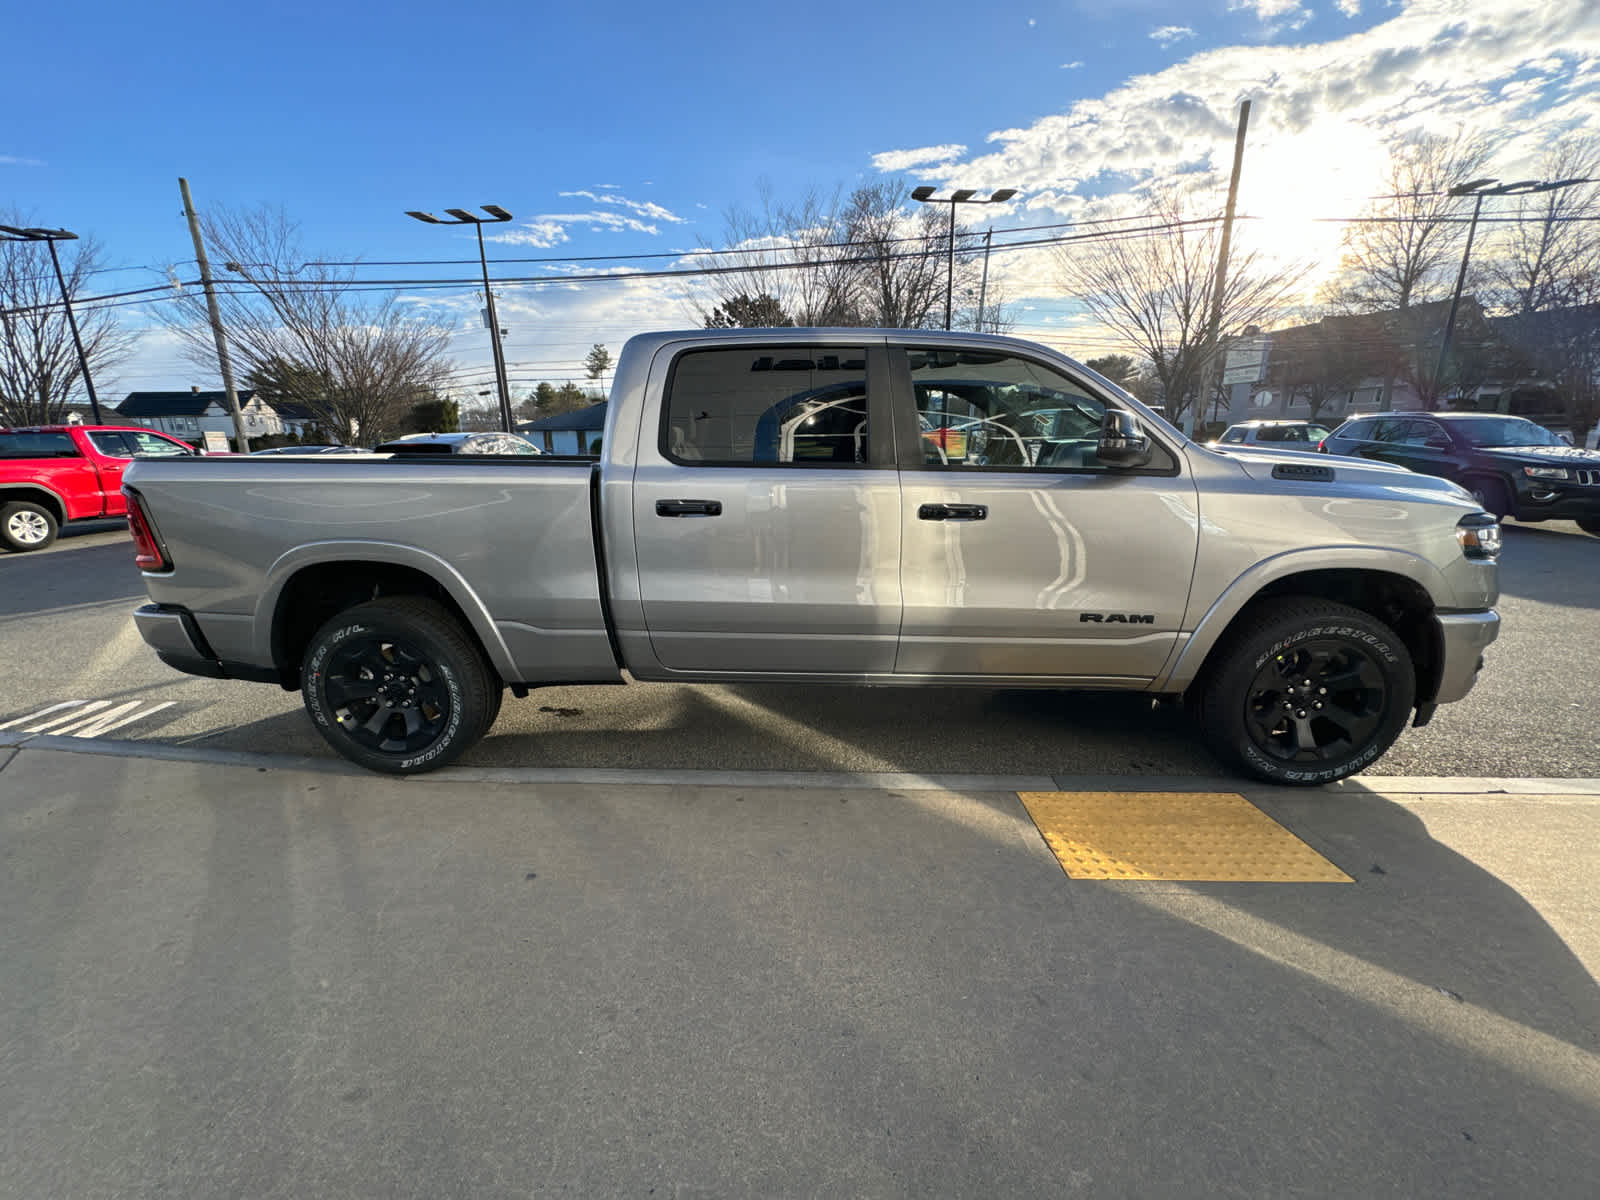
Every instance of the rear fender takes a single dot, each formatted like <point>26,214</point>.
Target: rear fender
<point>441,572</point>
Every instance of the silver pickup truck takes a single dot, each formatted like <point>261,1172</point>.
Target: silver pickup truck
<point>884,507</point>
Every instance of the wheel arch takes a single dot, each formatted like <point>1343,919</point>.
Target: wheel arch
<point>310,584</point>
<point>1393,588</point>
<point>37,494</point>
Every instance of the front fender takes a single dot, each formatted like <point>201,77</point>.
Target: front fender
<point>396,554</point>
<point>1192,654</point>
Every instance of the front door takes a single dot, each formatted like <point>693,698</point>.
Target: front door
<point>1024,556</point>
<point>767,512</point>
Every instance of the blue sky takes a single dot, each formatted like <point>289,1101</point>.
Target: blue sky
<point>348,115</point>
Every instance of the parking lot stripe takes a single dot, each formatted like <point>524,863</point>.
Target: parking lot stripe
<point>1217,836</point>
<point>42,712</point>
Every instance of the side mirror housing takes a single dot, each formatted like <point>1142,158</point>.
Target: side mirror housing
<point>1122,442</point>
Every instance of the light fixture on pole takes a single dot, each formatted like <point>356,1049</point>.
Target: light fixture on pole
<point>11,233</point>
<point>463,217</point>
<point>1478,189</point>
<point>925,195</point>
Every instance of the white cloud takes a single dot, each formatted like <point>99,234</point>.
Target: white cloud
<point>1073,65</point>
<point>1350,8</point>
<point>1169,34</point>
<point>904,160</point>
<point>1267,10</point>
<point>643,207</point>
<point>548,230</point>
<point>13,160</point>
<point>1323,116</point>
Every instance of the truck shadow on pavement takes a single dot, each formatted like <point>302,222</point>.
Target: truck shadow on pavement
<point>342,985</point>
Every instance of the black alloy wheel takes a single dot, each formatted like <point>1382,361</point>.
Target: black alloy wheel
<point>1306,691</point>
<point>397,685</point>
<point>1315,702</point>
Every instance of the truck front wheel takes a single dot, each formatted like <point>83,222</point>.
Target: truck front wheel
<point>25,525</point>
<point>396,685</point>
<point>1306,691</point>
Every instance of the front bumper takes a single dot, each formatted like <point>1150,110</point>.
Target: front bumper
<point>1556,500</point>
<point>1463,638</point>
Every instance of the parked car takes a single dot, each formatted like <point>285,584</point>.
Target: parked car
<point>769,504</point>
<point>1510,465</point>
<point>1283,435</point>
<point>53,474</point>
<point>459,443</point>
<point>314,450</point>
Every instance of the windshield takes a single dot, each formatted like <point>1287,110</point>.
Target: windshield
<point>1504,431</point>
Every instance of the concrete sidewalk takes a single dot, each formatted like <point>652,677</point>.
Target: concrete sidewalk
<point>240,977</point>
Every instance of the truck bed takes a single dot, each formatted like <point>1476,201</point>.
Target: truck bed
<point>511,537</point>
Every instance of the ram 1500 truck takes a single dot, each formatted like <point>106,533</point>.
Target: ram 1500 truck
<point>883,507</point>
<point>53,474</point>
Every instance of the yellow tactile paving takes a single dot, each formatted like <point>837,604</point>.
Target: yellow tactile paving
<point>1172,835</point>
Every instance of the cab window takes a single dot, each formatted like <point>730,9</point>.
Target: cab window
<point>781,405</point>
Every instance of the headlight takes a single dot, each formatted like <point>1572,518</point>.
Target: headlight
<point>1479,535</point>
<point>1545,472</point>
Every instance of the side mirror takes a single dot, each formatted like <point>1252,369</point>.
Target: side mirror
<point>1122,442</point>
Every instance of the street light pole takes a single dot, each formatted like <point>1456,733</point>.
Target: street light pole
<point>1478,189</point>
<point>50,237</point>
<point>924,195</point>
<point>463,217</point>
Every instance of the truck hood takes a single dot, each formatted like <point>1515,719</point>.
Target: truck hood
<point>1295,468</point>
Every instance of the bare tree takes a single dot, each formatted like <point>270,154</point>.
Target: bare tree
<point>359,359</point>
<point>1405,248</point>
<point>1154,291</point>
<point>873,259</point>
<point>39,370</point>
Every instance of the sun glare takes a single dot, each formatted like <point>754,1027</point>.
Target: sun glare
<point>1291,181</point>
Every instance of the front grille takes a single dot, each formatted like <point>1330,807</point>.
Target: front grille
<point>1588,478</point>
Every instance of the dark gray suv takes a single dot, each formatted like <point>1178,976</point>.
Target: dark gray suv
<point>1511,466</point>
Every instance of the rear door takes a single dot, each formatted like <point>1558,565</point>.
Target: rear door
<point>766,511</point>
<point>115,449</point>
<point>1024,555</point>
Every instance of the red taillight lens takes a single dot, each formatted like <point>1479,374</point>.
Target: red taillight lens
<point>148,554</point>
<point>1322,446</point>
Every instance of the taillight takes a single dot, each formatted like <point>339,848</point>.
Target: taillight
<point>149,554</point>
<point>1322,446</point>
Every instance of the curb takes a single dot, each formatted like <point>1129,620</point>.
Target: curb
<point>1363,785</point>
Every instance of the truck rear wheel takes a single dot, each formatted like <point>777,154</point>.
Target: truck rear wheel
<point>1306,691</point>
<point>397,685</point>
<point>25,525</point>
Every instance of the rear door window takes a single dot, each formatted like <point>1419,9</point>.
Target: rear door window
<point>37,445</point>
<point>768,406</point>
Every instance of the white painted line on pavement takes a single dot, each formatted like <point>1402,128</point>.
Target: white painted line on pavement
<point>42,712</point>
<point>92,706</point>
<point>111,720</point>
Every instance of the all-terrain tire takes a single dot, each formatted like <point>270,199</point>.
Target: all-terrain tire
<point>397,685</point>
<point>1306,691</point>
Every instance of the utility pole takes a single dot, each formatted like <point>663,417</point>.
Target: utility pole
<point>223,361</point>
<point>1219,289</point>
